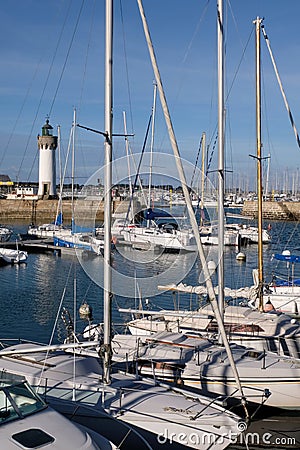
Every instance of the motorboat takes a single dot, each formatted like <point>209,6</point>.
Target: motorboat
<point>28,422</point>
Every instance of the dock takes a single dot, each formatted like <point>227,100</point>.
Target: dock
<point>33,245</point>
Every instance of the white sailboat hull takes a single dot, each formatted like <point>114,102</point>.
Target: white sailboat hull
<point>273,332</point>
<point>198,363</point>
<point>176,240</point>
<point>285,299</point>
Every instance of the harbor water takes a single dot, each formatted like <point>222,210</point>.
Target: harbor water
<point>33,294</point>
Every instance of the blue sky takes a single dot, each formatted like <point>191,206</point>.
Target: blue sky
<point>50,66</point>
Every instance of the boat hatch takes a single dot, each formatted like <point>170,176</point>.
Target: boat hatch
<point>253,354</point>
<point>33,438</point>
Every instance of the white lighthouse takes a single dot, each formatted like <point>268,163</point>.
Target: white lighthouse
<point>47,144</point>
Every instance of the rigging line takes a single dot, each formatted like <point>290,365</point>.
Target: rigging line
<point>204,10</point>
<point>194,171</point>
<point>229,91</point>
<point>280,85</point>
<point>245,47</point>
<point>87,54</point>
<point>19,115</point>
<point>196,162</point>
<point>135,170</point>
<point>126,65</point>
<point>211,155</point>
<point>67,57</point>
<point>85,70</point>
<point>41,98</point>
<point>196,30</point>
<point>138,169</point>
<point>230,88</point>
<point>239,64</point>
<point>56,322</point>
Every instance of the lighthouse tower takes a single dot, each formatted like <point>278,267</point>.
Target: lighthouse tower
<point>47,144</point>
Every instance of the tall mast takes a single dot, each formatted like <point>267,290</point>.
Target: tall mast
<point>127,154</point>
<point>173,141</point>
<point>267,178</point>
<point>59,204</point>
<point>220,155</point>
<point>73,168</point>
<point>258,22</point>
<point>107,192</point>
<point>202,179</point>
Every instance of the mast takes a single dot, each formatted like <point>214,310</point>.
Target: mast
<point>202,179</point>
<point>127,154</point>
<point>73,168</point>
<point>267,178</point>
<point>190,209</point>
<point>106,348</point>
<point>59,204</point>
<point>220,155</point>
<point>152,145</point>
<point>258,22</point>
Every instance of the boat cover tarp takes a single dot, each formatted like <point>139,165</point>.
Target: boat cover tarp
<point>151,214</point>
<point>58,219</point>
<point>287,258</point>
<point>80,229</point>
<point>245,292</point>
<point>293,282</point>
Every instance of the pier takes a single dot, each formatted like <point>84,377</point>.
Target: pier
<point>276,210</point>
<point>33,245</point>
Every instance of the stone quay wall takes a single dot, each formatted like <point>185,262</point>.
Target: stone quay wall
<point>273,210</point>
<point>86,211</point>
<point>44,211</point>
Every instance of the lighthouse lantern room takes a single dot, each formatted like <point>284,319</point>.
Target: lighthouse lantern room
<point>47,144</point>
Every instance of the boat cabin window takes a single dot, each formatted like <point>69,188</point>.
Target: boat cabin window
<point>17,401</point>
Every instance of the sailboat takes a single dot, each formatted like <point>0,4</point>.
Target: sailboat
<point>264,331</point>
<point>283,294</point>
<point>271,331</point>
<point>208,232</point>
<point>209,367</point>
<point>154,410</point>
<point>166,235</point>
<point>77,238</point>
